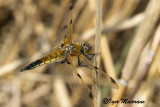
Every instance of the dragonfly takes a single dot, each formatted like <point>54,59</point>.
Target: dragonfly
<point>64,53</point>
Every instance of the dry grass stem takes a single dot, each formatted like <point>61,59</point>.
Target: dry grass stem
<point>97,49</point>
<point>107,57</point>
<point>61,94</point>
<point>143,33</point>
<point>126,24</point>
<point>29,28</point>
<point>37,93</point>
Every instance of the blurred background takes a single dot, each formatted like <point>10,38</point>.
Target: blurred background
<point>130,50</point>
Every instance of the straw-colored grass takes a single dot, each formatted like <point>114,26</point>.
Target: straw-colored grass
<point>130,42</point>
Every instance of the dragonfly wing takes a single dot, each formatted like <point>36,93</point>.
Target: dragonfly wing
<point>81,85</point>
<point>65,33</point>
<point>108,79</point>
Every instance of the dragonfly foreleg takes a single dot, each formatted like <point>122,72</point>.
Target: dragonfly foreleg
<point>90,56</point>
<point>80,65</point>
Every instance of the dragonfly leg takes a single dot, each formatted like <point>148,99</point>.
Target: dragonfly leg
<point>80,65</point>
<point>65,60</point>
<point>90,56</point>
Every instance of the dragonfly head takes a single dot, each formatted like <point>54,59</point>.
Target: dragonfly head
<point>86,47</point>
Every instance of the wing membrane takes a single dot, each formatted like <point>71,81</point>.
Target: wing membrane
<point>109,79</point>
<point>87,93</point>
<point>65,33</point>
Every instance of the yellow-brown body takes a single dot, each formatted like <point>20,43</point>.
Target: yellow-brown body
<point>59,55</point>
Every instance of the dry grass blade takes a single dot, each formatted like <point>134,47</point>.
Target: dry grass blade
<point>143,34</point>
<point>148,60</point>
<point>61,93</point>
<point>16,92</point>
<point>39,92</point>
<point>107,58</point>
<point>126,24</point>
<point>27,27</point>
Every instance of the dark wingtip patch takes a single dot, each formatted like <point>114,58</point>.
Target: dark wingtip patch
<point>71,7</point>
<point>90,95</point>
<point>71,22</point>
<point>78,75</point>
<point>113,81</point>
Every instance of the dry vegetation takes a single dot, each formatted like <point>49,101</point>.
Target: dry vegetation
<point>130,50</point>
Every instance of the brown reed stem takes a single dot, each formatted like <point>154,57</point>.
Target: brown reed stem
<point>97,49</point>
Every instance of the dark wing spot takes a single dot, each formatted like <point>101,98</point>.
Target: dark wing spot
<point>62,45</point>
<point>90,95</point>
<point>71,22</point>
<point>71,7</point>
<point>78,75</point>
<point>113,81</point>
<point>65,27</point>
<point>96,67</point>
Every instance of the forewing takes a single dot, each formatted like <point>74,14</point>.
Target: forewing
<point>65,33</point>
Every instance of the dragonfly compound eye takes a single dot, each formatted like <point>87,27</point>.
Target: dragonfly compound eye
<point>90,47</point>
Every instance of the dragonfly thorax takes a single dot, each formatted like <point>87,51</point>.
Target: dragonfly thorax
<point>67,49</point>
<point>81,47</point>
<point>71,46</point>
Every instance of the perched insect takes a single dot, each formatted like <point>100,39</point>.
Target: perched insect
<point>64,54</point>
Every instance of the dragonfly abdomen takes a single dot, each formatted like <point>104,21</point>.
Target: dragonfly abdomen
<point>51,57</point>
<point>31,65</point>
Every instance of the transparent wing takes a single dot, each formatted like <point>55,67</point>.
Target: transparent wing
<point>65,33</point>
<point>77,87</point>
<point>80,85</point>
<point>105,77</point>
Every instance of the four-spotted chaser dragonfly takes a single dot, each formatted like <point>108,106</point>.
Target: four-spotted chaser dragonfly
<point>64,54</point>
